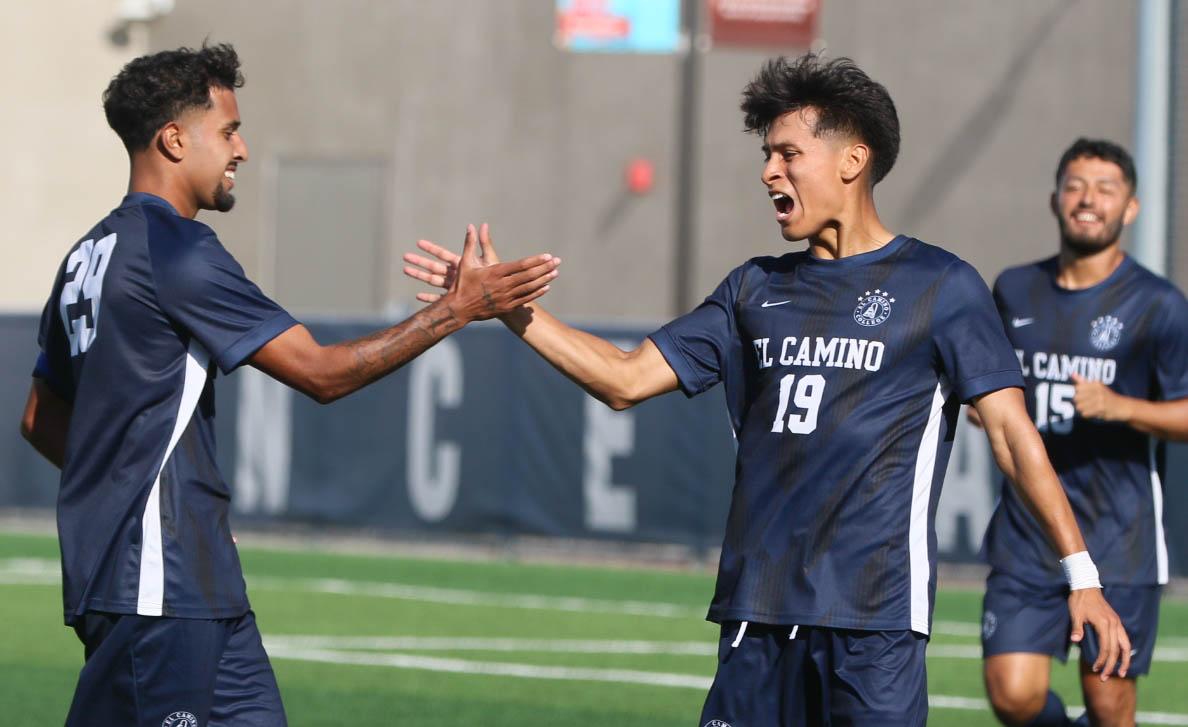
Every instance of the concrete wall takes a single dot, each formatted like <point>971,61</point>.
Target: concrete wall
<point>474,115</point>
<point>1178,225</point>
<point>465,111</point>
<point>64,169</point>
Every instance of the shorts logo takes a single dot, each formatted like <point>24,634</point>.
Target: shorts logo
<point>717,723</point>
<point>1105,332</point>
<point>180,719</point>
<point>989,625</point>
<point>873,308</point>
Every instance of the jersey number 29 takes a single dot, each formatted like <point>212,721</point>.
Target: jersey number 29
<point>79,304</point>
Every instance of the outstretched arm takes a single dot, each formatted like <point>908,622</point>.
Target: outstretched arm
<point>46,421</point>
<point>477,292</point>
<point>1020,454</point>
<point>615,377</point>
<point>1164,419</point>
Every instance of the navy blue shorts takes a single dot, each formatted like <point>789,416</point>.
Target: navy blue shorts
<point>1022,617</point>
<point>827,677</point>
<point>146,671</point>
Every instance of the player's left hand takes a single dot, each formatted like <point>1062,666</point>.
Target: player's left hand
<point>1088,606</point>
<point>1095,400</point>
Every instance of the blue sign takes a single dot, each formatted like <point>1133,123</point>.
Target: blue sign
<point>619,26</point>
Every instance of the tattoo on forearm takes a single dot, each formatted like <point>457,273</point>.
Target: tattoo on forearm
<point>444,317</point>
<point>382,352</point>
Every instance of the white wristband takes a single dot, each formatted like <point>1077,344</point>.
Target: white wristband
<point>1080,571</point>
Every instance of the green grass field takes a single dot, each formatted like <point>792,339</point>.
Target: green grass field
<point>377,640</point>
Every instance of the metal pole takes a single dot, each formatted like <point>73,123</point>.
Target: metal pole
<point>686,167</point>
<point>1152,121</point>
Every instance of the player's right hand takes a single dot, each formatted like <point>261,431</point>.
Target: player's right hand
<point>1088,606</point>
<point>480,287</point>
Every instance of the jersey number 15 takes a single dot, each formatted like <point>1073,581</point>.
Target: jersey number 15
<point>1054,409</point>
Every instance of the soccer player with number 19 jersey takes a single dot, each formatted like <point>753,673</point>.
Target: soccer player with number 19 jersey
<point>844,365</point>
<point>1103,348</point>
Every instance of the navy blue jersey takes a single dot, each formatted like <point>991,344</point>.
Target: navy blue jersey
<point>1130,332</point>
<point>141,308</point>
<point>843,380</point>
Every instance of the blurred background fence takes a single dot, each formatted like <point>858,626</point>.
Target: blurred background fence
<point>480,437</point>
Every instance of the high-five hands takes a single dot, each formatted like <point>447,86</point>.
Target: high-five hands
<point>478,288</point>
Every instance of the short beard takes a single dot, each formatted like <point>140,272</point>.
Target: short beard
<point>223,199</point>
<point>1082,245</point>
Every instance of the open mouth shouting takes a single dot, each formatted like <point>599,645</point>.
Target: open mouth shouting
<point>783,205</point>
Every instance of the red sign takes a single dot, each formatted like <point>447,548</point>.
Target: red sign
<point>763,22</point>
<point>593,19</point>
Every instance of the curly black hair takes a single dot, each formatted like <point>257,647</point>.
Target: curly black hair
<point>845,98</point>
<point>1099,149</point>
<point>153,90</point>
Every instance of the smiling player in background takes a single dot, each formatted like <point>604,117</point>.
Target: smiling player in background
<point>1103,345</point>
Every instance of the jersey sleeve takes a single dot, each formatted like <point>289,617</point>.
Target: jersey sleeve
<point>202,288</point>
<point>999,297</point>
<point>1170,350</point>
<point>973,347</point>
<point>702,345</point>
<point>53,363</point>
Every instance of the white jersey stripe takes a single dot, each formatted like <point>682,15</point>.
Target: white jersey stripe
<point>151,599</point>
<point>920,567</point>
<point>1157,505</point>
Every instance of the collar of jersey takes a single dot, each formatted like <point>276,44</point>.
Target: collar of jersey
<point>146,198</point>
<point>1054,269</point>
<point>853,261</point>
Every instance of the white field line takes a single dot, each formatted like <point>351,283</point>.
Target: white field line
<point>1151,717</point>
<point>587,646</point>
<point>38,571</point>
<point>957,628</point>
<point>44,571</point>
<point>279,649</point>
<point>567,646</point>
<point>1074,711</point>
<point>463,597</point>
<point>462,666</point>
<point>30,571</point>
<point>970,651</point>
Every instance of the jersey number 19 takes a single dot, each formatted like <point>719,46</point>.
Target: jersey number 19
<point>809,392</point>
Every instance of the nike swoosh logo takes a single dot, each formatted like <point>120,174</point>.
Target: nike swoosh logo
<point>1020,322</point>
<point>769,304</point>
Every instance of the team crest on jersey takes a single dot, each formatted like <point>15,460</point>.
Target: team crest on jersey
<point>180,719</point>
<point>1105,332</point>
<point>873,307</point>
<point>989,624</point>
<point>717,723</point>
